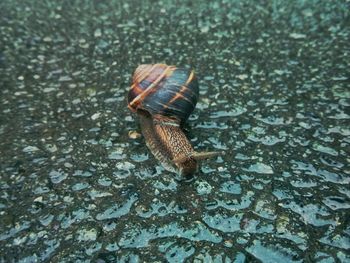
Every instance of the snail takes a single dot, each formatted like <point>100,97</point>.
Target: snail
<point>164,97</point>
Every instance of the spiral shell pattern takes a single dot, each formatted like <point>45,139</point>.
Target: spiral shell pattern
<point>164,90</point>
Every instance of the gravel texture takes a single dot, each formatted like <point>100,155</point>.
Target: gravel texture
<point>78,183</point>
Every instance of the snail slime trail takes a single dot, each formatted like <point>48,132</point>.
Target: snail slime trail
<point>164,97</point>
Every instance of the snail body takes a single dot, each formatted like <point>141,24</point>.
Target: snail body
<point>164,97</point>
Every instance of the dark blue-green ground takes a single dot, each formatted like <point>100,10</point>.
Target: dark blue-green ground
<point>76,186</point>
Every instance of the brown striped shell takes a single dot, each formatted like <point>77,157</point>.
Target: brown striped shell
<point>164,90</point>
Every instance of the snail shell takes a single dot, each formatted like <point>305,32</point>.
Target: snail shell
<point>164,97</point>
<point>164,90</point>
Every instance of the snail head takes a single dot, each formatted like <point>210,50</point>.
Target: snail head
<point>188,165</point>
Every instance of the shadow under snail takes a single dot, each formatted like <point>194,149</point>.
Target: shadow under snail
<point>164,97</point>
